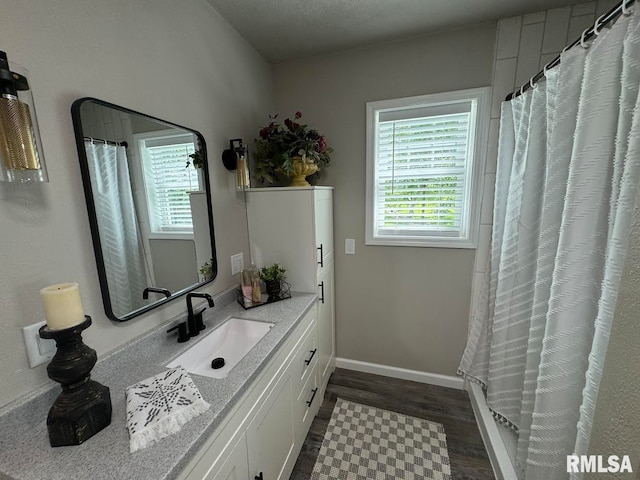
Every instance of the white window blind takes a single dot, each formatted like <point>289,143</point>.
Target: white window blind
<point>420,172</point>
<point>167,181</point>
<point>421,175</point>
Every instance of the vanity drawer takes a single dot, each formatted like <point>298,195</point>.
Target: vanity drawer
<point>307,404</point>
<point>306,356</point>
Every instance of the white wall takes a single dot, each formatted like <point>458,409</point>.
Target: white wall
<point>174,60</point>
<point>400,306</point>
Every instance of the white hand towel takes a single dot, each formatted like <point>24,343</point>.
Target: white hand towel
<point>160,405</point>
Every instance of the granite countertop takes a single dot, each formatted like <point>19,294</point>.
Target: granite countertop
<point>25,452</point>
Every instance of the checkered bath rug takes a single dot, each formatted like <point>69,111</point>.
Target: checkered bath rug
<point>363,443</point>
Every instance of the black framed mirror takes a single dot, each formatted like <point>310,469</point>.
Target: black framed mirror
<point>148,196</point>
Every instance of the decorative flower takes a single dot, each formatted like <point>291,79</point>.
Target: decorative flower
<point>276,146</point>
<point>322,145</point>
<point>292,126</point>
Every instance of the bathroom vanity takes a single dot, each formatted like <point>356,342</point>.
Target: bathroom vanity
<point>260,412</point>
<point>265,430</point>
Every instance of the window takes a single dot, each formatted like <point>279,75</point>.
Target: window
<point>167,181</point>
<point>424,165</point>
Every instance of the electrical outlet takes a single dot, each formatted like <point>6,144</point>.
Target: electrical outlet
<point>237,263</point>
<point>349,246</point>
<point>39,350</point>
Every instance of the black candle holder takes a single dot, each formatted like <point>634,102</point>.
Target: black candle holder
<point>83,408</point>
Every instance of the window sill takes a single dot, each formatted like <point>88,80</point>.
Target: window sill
<point>171,236</point>
<point>414,242</point>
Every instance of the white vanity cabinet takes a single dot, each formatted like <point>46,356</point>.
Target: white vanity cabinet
<point>233,464</point>
<point>294,227</point>
<point>263,434</point>
<point>271,435</point>
<point>201,234</point>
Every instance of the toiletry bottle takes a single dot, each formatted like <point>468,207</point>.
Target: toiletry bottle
<point>255,284</point>
<point>245,277</point>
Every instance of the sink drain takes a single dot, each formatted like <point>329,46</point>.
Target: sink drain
<point>217,363</point>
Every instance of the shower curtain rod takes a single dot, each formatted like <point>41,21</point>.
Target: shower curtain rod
<point>586,35</point>
<point>107,142</point>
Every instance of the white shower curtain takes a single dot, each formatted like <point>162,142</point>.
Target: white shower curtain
<point>116,216</point>
<point>568,171</point>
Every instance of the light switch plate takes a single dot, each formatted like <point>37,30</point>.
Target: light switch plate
<point>237,263</point>
<point>39,350</point>
<point>350,246</point>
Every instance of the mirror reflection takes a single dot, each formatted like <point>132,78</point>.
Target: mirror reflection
<point>148,199</point>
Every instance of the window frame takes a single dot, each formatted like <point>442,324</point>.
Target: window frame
<point>481,97</point>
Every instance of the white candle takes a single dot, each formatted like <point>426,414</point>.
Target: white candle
<point>62,306</point>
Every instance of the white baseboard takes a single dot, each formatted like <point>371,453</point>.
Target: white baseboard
<point>496,449</point>
<point>402,373</point>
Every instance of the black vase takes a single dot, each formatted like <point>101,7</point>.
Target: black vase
<point>273,290</point>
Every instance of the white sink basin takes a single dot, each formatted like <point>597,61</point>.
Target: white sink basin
<point>232,341</point>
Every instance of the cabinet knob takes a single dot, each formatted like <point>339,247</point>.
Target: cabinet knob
<point>321,285</point>
<point>259,477</point>
<point>321,262</point>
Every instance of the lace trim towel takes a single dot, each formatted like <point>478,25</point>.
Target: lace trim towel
<point>160,405</point>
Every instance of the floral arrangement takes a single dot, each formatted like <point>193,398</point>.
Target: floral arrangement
<point>277,145</point>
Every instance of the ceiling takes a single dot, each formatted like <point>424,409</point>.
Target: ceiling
<point>284,30</point>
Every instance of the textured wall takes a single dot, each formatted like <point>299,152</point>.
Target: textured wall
<point>400,306</point>
<point>174,60</point>
<point>616,426</point>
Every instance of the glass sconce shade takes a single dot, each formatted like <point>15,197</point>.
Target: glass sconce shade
<point>236,157</point>
<point>21,158</point>
<point>243,168</point>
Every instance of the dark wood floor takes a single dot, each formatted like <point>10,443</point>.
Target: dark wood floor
<point>447,406</point>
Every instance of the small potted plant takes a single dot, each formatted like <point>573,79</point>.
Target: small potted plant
<point>197,160</point>
<point>272,277</point>
<point>294,150</point>
<point>207,270</point>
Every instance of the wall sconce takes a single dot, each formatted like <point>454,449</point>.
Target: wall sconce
<point>236,158</point>
<point>21,158</point>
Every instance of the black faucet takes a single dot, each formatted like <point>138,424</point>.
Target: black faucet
<point>194,320</point>
<point>164,291</point>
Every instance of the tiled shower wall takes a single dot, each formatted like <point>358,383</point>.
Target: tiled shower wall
<point>524,45</point>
